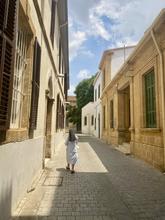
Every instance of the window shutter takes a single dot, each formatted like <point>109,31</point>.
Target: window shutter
<point>58,113</point>
<point>8,18</point>
<point>59,57</point>
<point>52,25</point>
<point>35,85</point>
<point>150,100</point>
<point>111,115</point>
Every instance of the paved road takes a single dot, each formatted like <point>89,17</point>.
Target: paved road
<point>107,186</point>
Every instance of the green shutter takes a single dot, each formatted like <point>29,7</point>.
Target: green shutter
<point>111,114</point>
<point>150,100</point>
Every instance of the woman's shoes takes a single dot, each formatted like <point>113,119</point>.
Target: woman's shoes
<point>68,168</point>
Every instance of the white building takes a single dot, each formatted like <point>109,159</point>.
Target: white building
<point>111,62</point>
<point>91,122</point>
<point>87,119</point>
<point>97,105</point>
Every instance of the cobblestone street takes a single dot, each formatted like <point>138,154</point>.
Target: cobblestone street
<point>106,185</point>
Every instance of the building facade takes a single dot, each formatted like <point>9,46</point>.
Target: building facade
<point>110,63</point>
<point>34,77</point>
<point>133,102</point>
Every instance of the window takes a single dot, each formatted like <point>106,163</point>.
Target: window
<point>111,115</point>
<point>59,113</point>
<point>150,105</point>
<point>85,120</point>
<point>95,94</point>
<point>92,120</point>
<point>8,10</point>
<point>99,91</point>
<point>95,123</point>
<point>35,85</point>
<point>52,25</point>
<point>103,78</point>
<point>19,75</point>
<point>104,116</point>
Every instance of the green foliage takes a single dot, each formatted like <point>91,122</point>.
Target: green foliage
<point>84,95</point>
<point>84,92</point>
<point>72,114</point>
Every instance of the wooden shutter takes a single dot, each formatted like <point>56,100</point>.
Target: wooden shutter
<point>150,100</point>
<point>60,48</point>
<point>8,19</point>
<point>35,85</point>
<point>57,112</point>
<point>52,25</point>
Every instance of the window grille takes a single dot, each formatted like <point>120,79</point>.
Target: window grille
<point>18,82</point>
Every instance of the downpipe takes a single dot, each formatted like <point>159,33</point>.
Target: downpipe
<point>162,89</point>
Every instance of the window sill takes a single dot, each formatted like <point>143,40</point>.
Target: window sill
<point>112,129</point>
<point>16,135</point>
<point>153,130</point>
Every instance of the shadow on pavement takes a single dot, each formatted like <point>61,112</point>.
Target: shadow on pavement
<point>130,189</point>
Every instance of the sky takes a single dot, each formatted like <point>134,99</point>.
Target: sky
<point>98,25</point>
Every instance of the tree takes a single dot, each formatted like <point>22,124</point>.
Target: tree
<point>84,92</point>
<point>84,95</point>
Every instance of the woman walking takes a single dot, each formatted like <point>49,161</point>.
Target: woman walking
<point>71,150</point>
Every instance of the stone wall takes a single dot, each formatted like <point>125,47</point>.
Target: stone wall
<point>146,143</point>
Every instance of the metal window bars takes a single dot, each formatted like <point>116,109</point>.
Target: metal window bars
<point>18,83</point>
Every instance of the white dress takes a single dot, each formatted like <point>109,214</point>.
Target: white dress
<point>71,151</point>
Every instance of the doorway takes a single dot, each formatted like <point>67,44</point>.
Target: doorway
<point>124,115</point>
<point>99,126</point>
<point>48,128</point>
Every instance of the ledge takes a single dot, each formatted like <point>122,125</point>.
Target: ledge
<point>16,135</point>
<point>122,130</point>
<point>153,130</point>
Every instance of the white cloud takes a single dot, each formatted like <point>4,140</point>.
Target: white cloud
<point>98,27</point>
<point>84,74</point>
<point>77,38</point>
<point>112,20</point>
<point>87,53</point>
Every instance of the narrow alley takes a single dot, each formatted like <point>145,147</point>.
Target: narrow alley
<point>107,185</point>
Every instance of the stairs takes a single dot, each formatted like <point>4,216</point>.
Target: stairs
<point>124,148</point>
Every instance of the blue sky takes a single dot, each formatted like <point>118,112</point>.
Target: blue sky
<point>98,25</point>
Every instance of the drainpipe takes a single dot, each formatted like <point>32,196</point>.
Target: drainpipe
<point>162,88</point>
<point>107,117</point>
